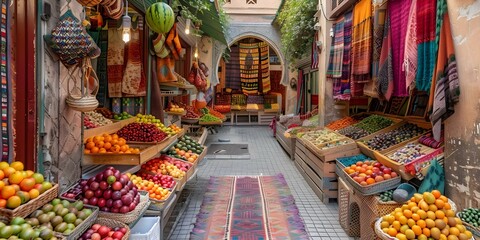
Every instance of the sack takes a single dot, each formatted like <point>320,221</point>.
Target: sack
<point>159,46</point>
<point>166,70</point>
<point>70,41</point>
<point>84,100</point>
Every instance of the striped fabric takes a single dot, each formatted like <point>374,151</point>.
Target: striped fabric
<point>233,69</point>
<point>249,66</point>
<point>315,53</point>
<point>336,53</point>
<point>6,133</point>
<point>265,66</point>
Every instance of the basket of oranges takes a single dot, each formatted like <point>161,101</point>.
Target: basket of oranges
<point>22,192</point>
<point>424,216</point>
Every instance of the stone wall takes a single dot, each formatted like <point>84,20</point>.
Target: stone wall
<point>63,138</point>
<point>462,130</point>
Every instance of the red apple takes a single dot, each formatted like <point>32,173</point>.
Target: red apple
<point>387,171</point>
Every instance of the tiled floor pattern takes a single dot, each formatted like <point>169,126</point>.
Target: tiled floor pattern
<point>267,158</point>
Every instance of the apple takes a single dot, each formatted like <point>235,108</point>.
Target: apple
<point>387,171</point>
<point>394,174</point>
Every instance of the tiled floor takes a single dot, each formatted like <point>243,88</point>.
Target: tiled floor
<point>267,158</point>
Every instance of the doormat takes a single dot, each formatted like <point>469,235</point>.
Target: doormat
<point>255,207</point>
<point>228,152</point>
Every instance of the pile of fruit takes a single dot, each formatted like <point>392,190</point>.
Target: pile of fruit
<point>122,116</point>
<point>100,232</point>
<point>374,123</point>
<point>321,136</point>
<point>425,216</point>
<point>19,228</point>
<point>111,191</point>
<point>369,172</point>
<point>191,113</point>
<point>341,123</point>
<point>142,132</point>
<point>155,190</point>
<point>353,132</point>
<point>209,118</point>
<point>176,129</point>
<point>395,136</point>
<point>18,186</point>
<point>470,216</point>
<point>407,154</point>
<point>60,216</point>
<point>222,108</point>
<point>105,112</point>
<point>164,167</point>
<point>174,108</point>
<point>164,181</point>
<point>386,196</point>
<point>152,120</point>
<point>215,113</point>
<point>93,119</point>
<point>107,143</point>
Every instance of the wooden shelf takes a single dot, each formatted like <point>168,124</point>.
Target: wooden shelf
<point>109,129</point>
<point>178,85</point>
<point>177,113</point>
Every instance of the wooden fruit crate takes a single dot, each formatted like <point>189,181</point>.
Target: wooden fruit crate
<point>109,129</point>
<point>147,152</point>
<point>371,152</point>
<point>287,143</point>
<point>160,146</point>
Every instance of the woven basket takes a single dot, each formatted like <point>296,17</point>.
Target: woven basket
<point>113,224</point>
<point>344,214</point>
<point>26,209</point>
<point>470,227</point>
<point>84,101</point>
<point>82,227</point>
<point>129,217</point>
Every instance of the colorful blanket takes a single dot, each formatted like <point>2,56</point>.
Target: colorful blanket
<point>6,130</point>
<point>265,66</point>
<point>341,86</point>
<point>361,46</point>
<point>249,63</point>
<point>336,51</point>
<point>427,49</point>
<point>244,208</point>
<point>233,69</point>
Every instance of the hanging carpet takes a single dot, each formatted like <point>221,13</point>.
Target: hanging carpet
<point>265,66</point>
<point>6,131</point>
<point>232,76</point>
<point>256,207</point>
<point>249,63</point>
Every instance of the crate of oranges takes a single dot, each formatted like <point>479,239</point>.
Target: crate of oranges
<point>158,194</point>
<point>111,149</point>
<point>425,216</point>
<point>22,191</point>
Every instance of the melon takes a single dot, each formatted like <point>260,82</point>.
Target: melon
<point>160,17</point>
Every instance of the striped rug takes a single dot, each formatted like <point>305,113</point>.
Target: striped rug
<point>248,208</point>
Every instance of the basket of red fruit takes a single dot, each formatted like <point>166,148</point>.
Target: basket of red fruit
<point>105,228</point>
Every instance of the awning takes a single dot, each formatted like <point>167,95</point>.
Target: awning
<point>210,21</point>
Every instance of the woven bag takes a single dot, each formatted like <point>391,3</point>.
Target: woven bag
<point>70,41</point>
<point>83,100</point>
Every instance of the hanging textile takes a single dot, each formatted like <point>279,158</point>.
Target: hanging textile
<point>341,86</point>
<point>411,54</point>
<point>102,95</point>
<point>379,11</point>
<point>398,11</point>
<point>385,72</point>
<point>315,54</point>
<point>115,61</point>
<point>265,66</point>
<point>336,51</point>
<point>427,50</point>
<point>134,83</point>
<point>447,85</point>
<point>6,131</point>
<point>361,46</point>
<point>232,77</point>
<point>249,63</point>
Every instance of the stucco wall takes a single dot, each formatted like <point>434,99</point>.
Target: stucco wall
<point>260,6</point>
<point>462,165</point>
<point>62,140</point>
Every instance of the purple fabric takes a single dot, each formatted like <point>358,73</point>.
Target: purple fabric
<point>233,69</point>
<point>398,11</point>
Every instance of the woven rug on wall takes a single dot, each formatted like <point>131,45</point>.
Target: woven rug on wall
<point>6,133</point>
<point>232,77</point>
<point>253,207</point>
<point>265,66</point>
<point>249,63</point>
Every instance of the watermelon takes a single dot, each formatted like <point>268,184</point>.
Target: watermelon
<point>160,17</point>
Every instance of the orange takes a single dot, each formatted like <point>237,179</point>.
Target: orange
<point>34,193</point>
<point>7,192</point>
<point>417,230</point>
<point>407,213</point>
<point>411,222</point>
<point>3,203</point>
<point>370,181</point>
<point>108,139</point>
<point>122,141</point>
<point>421,223</point>
<point>96,139</point>
<point>392,232</point>
<point>102,150</point>
<point>89,145</point>
<point>16,187</point>
<point>396,225</point>
<point>15,178</point>
<point>9,171</point>
<point>2,184</point>
<point>30,173</point>
<point>422,214</point>
<point>95,150</point>
<point>114,142</point>
<point>432,208</point>
<point>14,202</point>
<point>90,139</point>
<point>115,136</point>
<point>450,213</point>
<point>426,232</point>
<point>454,231</point>
<point>27,184</point>
<point>123,148</point>
<point>447,206</point>
<point>440,214</point>
<point>436,193</point>
<point>100,144</point>
<point>107,145</point>
<point>86,151</point>
<point>443,198</point>
<point>2,175</point>
<point>17,165</point>
<point>415,217</point>
<point>4,165</point>
<point>403,220</point>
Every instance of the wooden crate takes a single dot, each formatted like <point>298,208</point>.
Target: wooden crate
<point>147,152</point>
<point>109,129</point>
<point>324,197</point>
<point>287,143</point>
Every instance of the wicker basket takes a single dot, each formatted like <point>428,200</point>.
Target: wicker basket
<point>131,216</point>
<point>82,227</point>
<point>345,215</point>
<point>113,223</point>
<point>24,210</point>
<point>470,227</point>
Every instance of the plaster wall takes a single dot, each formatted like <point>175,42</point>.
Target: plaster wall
<point>251,6</point>
<point>62,140</point>
<point>462,130</point>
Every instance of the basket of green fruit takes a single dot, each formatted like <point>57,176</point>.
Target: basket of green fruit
<point>471,219</point>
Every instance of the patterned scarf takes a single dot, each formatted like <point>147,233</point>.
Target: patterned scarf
<point>336,51</point>
<point>427,50</point>
<point>361,46</point>
<point>411,54</point>
<point>341,86</point>
<point>385,72</point>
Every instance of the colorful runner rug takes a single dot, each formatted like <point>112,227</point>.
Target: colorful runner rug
<point>249,62</point>
<point>265,66</point>
<point>248,208</point>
